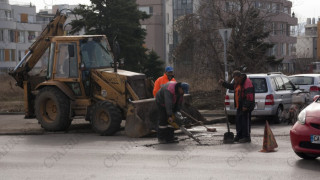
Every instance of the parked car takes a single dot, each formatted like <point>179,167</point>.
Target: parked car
<point>307,82</point>
<point>273,95</point>
<point>305,134</point>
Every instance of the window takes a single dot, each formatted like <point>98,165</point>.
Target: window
<point>1,34</point>
<point>302,80</point>
<point>260,85</point>
<point>1,55</point>
<point>279,83</point>
<point>30,19</point>
<point>274,51</point>
<point>232,6</point>
<point>259,5</point>
<point>8,15</point>
<point>21,54</point>
<point>8,55</point>
<point>67,65</point>
<point>274,7</point>
<point>144,27</point>
<point>273,28</point>
<point>282,28</point>
<point>24,18</point>
<point>285,10</point>
<point>12,36</point>
<point>287,83</point>
<point>146,9</point>
<point>20,36</point>
<point>31,36</point>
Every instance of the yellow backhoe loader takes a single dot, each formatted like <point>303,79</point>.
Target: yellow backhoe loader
<point>82,79</point>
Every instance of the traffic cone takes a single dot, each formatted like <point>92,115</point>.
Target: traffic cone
<point>269,142</point>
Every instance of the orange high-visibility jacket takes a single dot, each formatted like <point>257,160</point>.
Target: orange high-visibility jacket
<point>159,83</point>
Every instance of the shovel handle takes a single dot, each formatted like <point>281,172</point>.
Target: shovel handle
<point>189,116</point>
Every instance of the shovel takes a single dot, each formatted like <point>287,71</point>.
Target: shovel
<point>228,136</point>
<point>189,116</point>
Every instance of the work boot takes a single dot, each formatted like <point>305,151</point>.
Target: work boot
<point>162,134</point>
<point>236,139</point>
<point>170,136</point>
<point>245,140</point>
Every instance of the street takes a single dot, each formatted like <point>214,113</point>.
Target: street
<point>82,154</point>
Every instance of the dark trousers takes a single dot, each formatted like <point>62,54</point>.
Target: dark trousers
<point>164,130</point>
<point>243,124</point>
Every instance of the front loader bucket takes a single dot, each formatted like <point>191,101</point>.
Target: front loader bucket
<point>141,118</point>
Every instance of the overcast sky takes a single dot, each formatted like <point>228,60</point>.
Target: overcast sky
<point>302,8</point>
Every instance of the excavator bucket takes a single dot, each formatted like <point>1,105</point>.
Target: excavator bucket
<point>142,116</point>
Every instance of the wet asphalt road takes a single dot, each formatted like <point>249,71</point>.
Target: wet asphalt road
<point>81,154</point>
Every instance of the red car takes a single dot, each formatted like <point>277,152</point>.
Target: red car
<point>305,134</point>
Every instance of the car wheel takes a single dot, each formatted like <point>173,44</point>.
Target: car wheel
<point>232,119</point>
<point>306,156</point>
<point>277,118</point>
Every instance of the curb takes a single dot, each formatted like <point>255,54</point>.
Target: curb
<point>11,113</point>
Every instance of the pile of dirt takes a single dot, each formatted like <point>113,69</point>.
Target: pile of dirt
<point>11,96</point>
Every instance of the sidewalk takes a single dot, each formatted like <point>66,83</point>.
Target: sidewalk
<point>15,124</point>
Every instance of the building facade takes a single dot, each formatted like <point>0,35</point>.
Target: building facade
<point>155,26</point>
<point>18,30</point>
<point>161,36</point>
<point>307,43</point>
<point>281,23</point>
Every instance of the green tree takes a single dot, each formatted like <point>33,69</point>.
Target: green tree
<point>153,67</point>
<point>117,19</point>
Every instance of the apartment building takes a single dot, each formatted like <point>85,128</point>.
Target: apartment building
<point>282,21</point>
<point>155,26</point>
<point>307,42</point>
<point>161,33</point>
<point>161,36</point>
<point>18,30</point>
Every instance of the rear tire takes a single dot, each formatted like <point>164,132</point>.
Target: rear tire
<point>105,118</point>
<point>53,109</point>
<point>277,118</point>
<point>306,156</point>
<point>232,119</point>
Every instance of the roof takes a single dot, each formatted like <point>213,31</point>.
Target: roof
<point>310,75</point>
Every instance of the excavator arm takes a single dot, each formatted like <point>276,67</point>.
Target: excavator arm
<point>38,48</point>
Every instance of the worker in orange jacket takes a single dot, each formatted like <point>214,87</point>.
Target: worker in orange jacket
<point>168,76</point>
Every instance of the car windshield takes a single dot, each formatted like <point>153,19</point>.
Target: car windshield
<point>95,53</point>
<point>259,84</point>
<point>302,80</point>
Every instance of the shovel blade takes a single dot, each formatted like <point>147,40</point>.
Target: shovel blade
<point>228,138</point>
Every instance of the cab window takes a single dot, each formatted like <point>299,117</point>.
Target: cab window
<point>66,65</point>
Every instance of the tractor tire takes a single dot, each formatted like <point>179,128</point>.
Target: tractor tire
<point>105,118</point>
<point>53,109</point>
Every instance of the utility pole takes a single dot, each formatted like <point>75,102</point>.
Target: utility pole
<point>225,34</point>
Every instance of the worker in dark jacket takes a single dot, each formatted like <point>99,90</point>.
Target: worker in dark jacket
<point>169,100</point>
<point>244,102</point>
